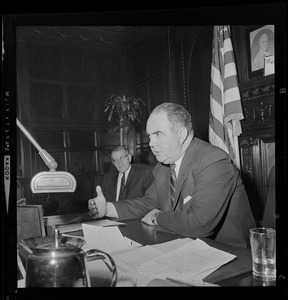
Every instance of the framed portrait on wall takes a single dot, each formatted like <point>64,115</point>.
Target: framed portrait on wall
<point>260,46</point>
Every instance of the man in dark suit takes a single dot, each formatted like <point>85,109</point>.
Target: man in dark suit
<point>137,178</point>
<point>208,198</point>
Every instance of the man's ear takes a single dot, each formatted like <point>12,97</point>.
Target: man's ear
<point>183,133</point>
<point>129,158</point>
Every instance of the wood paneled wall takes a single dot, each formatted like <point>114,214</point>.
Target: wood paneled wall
<point>190,72</point>
<point>149,80</point>
<point>62,89</point>
<point>62,85</point>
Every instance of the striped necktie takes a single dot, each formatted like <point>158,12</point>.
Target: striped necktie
<point>172,183</point>
<point>122,187</point>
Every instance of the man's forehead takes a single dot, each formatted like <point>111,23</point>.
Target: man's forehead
<point>157,122</point>
<point>118,153</point>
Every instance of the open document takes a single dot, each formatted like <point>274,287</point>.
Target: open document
<point>193,260</point>
<point>183,260</point>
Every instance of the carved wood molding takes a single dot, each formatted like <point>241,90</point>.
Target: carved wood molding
<point>257,157</point>
<point>258,115</point>
<point>258,107</point>
<point>258,93</point>
<point>248,142</point>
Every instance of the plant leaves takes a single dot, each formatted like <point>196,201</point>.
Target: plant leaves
<point>127,109</point>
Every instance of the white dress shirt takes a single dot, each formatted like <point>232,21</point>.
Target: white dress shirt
<point>119,181</point>
<point>178,164</point>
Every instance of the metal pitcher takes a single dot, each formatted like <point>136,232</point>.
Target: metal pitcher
<point>60,262</point>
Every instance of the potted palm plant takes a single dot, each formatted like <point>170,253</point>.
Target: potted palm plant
<point>127,112</point>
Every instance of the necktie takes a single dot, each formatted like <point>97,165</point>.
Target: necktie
<point>122,187</point>
<point>172,183</point>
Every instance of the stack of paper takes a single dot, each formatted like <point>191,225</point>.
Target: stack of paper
<point>189,262</point>
<point>185,260</point>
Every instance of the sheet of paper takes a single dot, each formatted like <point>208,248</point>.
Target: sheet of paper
<point>76,233</point>
<point>104,223</point>
<point>131,260</point>
<point>186,262</point>
<point>170,282</point>
<point>70,227</point>
<point>128,263</point>
<point>108,239</point>
<point>171,245</point>
<point>132,243</point>
<point>201,276</point>
<point>133,279</point>
<point>78,226</point>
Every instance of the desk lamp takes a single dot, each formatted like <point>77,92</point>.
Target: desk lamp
<point>49,181</point>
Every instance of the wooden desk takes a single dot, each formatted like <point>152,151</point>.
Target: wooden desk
<point>235,273</point>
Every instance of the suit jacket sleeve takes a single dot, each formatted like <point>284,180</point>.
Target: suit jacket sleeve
<point>138,207</point>
<point>109,185</point>
<point>147,178</point>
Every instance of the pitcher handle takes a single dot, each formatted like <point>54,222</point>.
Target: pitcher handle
<point>113,265</point>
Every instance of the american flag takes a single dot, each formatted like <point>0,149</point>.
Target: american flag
<point>225,102</point>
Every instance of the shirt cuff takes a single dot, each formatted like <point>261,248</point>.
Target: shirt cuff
<point>111,211</point>
<point>154,219</point>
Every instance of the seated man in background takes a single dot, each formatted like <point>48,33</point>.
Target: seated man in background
<point>197,190</point>
<point>136,177</point>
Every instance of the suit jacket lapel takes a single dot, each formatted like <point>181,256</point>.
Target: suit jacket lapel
<point>167,202</point>
<point>183,173</point>
<point>130,175</point>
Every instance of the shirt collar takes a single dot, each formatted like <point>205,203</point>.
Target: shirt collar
<point>126,172</point>
<point>178,164</point>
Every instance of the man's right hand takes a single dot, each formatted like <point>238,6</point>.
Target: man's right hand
<point>98,205</point>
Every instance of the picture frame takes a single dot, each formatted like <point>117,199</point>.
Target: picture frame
<point>260,42</point>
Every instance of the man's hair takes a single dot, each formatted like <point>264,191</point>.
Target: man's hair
<point>176,114</point>
<point>118,148</point>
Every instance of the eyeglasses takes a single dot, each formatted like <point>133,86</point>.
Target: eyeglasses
<point>117,160</point>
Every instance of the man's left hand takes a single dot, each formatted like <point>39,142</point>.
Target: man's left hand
<point>148,218</point>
